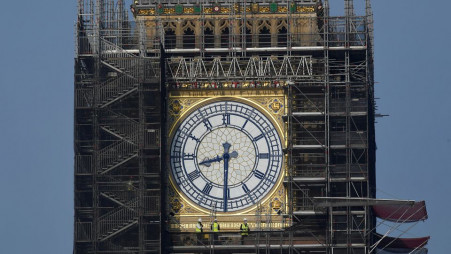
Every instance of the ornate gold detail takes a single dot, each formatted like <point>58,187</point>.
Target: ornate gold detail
<point>176,205</point>
<point>282,9</point>
<point>276,204</point>
<point>264,10</point>
<point>254,7</point>
<point>237,7</point>
<point>188,10</point>
<point>149,23</point>
<point>225,10</point>
<point>146,12</point>
<point>169,11</point>
<point>175,109</point>
<point>275,105</point>
<point>305,9</point>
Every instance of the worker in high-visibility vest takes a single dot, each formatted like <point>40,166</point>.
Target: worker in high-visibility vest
<point>199,226</point>
<point>215,228</point>
<point>244,228</point>
<point>199,230</point>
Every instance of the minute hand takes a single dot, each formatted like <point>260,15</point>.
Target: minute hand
<point>227,157</point>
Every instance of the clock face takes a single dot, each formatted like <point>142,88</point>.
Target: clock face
<point>226,156</point>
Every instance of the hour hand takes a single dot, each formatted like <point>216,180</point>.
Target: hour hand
<point>227,146</point>
<point>207,162</point>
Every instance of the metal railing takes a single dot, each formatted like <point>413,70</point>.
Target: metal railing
<point>117,218</point>
<point>116,153</point>
<point>120,125</point>
<point>233,239</point>
<point>115,88</point>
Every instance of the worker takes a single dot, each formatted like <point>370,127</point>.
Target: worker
<point>130,184</point>
<point>244,228</point>
<point>199,230</point>
<point>215,228</point>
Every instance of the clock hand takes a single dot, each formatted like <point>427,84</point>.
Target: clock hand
<point>207,162</point>
<point>226,157</point>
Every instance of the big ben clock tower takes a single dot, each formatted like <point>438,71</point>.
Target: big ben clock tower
<point>190,111</point>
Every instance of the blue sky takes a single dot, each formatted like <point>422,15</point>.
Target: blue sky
<point>412,65</point>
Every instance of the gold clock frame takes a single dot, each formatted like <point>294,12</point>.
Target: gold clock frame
<point>270,102</point>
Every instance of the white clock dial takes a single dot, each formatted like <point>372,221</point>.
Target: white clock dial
<point>226,156</point>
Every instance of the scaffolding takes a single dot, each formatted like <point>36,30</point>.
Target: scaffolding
<point>124,69</point>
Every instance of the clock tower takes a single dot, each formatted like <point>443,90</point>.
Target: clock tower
<point>194,116</point>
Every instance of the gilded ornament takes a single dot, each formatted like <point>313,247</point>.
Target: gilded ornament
<point>176,205</point>
<point>236,7</point>
<point>146,12</point>
<point>254,8</point>
<point>216,8</point>
<point>225,10</point>
<point>275,105</point>
<point>264,10</point>
<point>305,9</point>
<point>283,9</point>
<point>169,11</point>
<point>276,204</point>
<point>176,107</point>
<point>189,10</point>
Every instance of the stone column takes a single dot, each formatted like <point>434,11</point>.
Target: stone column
<point>178,34</point>
<point>255,33</point>
<point>274,32</point>
<point>217,31</point>
<point>198,33</point>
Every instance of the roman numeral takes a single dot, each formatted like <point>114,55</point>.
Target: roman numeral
<point>194,138</point>
<point>245,188</point>
<point>226,119</point>
<point>263,156</point>
<point>259,174</point>
<point>207,124</point>
<point>244,125</point>
<point>258,137</point>
<point>207,188</point>
<point>194,175</point>
<point>188,156</point>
